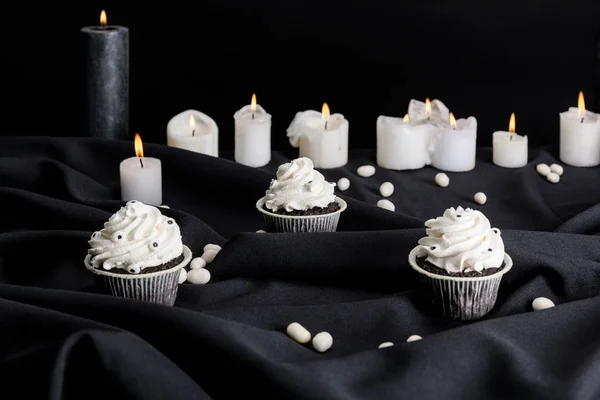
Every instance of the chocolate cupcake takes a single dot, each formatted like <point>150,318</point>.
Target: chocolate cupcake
<point>139,254</point>
<point>300,200</point>
<point>461,261</point>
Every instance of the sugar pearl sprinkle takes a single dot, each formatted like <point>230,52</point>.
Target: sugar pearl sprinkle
<point>543,169</point>
<point>553,178</point>
<point>480,198</point>
<point>211,246</point>
<point>386,189</point>
<point>442,180</point>
<point>542,303</point>
<point>199,276</point>
<point>385,344</point>
<point>413,338</point>
<point>322,342</point>
<point>182,275</point>
<point>299,333</point>
<point>557,169</point>
<point>261,231</point>
<point>343,184</point>
<point>386,204</point>
<point>366,171</point>
<point>198,263</point>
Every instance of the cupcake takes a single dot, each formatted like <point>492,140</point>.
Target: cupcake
<point>461,261</point>
<point>300,200</point>
<point>139,254</point>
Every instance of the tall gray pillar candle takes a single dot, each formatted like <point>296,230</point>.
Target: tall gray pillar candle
<point>107,80</point>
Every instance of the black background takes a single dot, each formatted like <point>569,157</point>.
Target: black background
<point>485,59</point>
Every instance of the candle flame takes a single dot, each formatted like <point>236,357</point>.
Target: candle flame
<point>452,121</point>
<point>139,148</point>
<point>325,112</point>
<point>427,107</point>
<point>512,124</point>
<point>103,18</point>
<point>253,103</point>
<point>405,119</point>
<point>581,105</point>
<point>192,122</point>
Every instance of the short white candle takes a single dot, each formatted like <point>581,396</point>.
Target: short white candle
<point>321,137</point>
<point>141,177</point>
<point>454,147</point>
<point>401,145</point>
<point>194,131</point>
<point>252,135</point>
<point>434,111</point>
<point>509,149</point>
<point>580,136</point>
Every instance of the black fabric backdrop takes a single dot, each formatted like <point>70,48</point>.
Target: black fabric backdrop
<point>65,339</point>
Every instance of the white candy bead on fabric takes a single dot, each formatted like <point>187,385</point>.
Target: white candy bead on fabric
<point>366,171</point>
<point>386,189</point>
<point>198,276</point>
<point>543,169</point>
<point>557,169</point>
<point>385,344</point>
<point>261,231</point>
<point>414,338</point>
<point>299,333</point>
<point>182,275</point>
<point>164,206</point>
<point>542,303</point>
<point>343,184</point>
<point>480,198</point>
<point>553,178</point>
<point>209,255</point>
<point>322,342</point>
<point>442,180</point>
<point>386,204</point>
<point>211,246</point>
<point>198,263</point>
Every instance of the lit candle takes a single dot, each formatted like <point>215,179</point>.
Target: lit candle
<point>454,146</point>
<point>141,177</point>
<point>252,135</point>
<point>401,145</point>
<point>509,148</point>
<point>580,136</point>
<point>434,112</point>
<point>194,131</point>
<point>107,79</point>
<point>321,137</point>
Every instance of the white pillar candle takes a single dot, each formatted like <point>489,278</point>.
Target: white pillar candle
<point>453,148</point>
<point>141,177</point>
<point>580,136</point>
<point>252,135</point>
<point>401,145</point>
<point>321,137</point>
<point>509,149</point>
<point>194,131</point>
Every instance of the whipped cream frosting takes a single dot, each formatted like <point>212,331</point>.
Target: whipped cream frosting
<point>462,240</point>
<point>298,187</point>
<point>136,237</point>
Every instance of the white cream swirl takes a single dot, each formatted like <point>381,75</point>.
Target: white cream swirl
<point>462,241</point>
<point>136,237</point>
<point>298,187</point>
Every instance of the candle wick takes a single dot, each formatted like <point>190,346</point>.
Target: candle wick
<point>511,136</point>
<point>252,115</point>
<point>582,119</point>
<point>141,163</point>
<point>326,125</point>
<point>193,132</point>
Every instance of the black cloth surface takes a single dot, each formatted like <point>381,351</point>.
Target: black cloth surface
<point>61,337</point>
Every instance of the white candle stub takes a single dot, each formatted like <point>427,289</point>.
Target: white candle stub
<point>557,169</point>
<point>343,184</point>
<point>400,144</point>
<point>553,178</point>
<point>480,198</point>
<point>413,338</point>
<point>442,180</point>
<point>510,150</point>
<point>543,169</point>
<point>322,342</point>
<point>198,263</point>
<point>385,344</point>
<point>182,275</point>
<point>194,131</point>
<point>455,146</point>
<point>386,205</point>
<point>199,276</point>
<point>386,189</point>
<point>580,136</point>
<point>542,303</point>
<point>299,333</point>
<point>141,177</point>
<point>366,171</point>
<point>252,135</point>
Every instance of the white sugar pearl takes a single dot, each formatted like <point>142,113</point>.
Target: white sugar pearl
<point>442,179</point>
<point>261,231</point>
<point>322,342</point>
<point>557,169</point>
<point>343,184</point>
<point>385,344</point>
<point>198,263</point>
<point>414,338</point>
<point>553,178</point>
<point>386,189</point>
<point>182,275</point>
<point>209,255</point>
<point>480,198</point>
<point>164,206</point>
<point>366,171</point>
<point>299,333</point>
<point>386,204</point>
<point>542,303</point>
<point>543,169</point>
<point>198,276</point>
<point>211,246</point>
